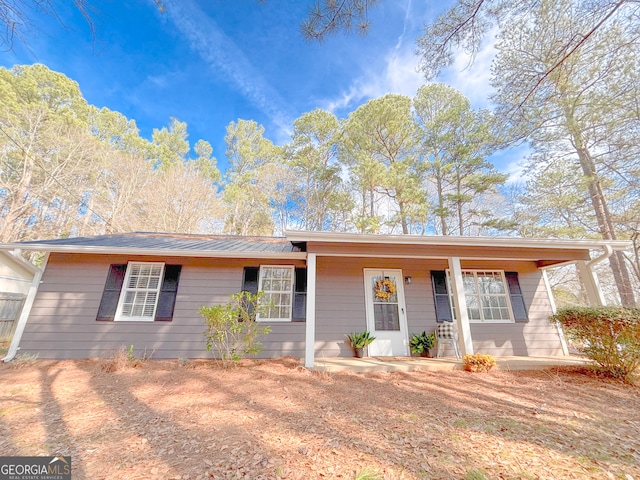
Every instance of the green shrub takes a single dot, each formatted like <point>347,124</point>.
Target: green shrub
<point>232,331</point>
<point>610,336</point>
<point>480,362</point>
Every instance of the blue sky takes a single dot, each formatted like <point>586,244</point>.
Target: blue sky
<point>211,62</point>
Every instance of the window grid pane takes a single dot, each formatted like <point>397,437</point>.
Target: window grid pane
<point>277,288</point>
<point>141,293</point>
<point>485,294</point>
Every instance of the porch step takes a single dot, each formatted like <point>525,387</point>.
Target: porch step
<point>408,364</point>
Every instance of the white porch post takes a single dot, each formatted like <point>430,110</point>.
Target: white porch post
<point>460,304</point>
<point>310,326</point>
<point>591,284</point>
<point>26,311</point>
<point>554,309</point>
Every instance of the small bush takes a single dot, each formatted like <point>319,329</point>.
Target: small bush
<point>479,362</point>
<point>610,336</point>
<point>185,363</point>
<point>125,358</point>
<point>232,331</point>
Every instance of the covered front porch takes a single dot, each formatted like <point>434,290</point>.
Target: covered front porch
<point>410,364</point>
<point>354,255</point>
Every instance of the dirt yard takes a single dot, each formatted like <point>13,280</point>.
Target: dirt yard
<point>277,420</point>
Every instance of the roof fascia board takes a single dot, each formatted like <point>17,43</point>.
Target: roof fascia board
<point>437,257</point>
<point>300,236</point>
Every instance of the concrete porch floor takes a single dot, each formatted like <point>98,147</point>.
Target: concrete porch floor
<point>408,364</point>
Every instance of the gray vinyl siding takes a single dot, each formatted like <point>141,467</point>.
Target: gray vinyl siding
<point>341,299</point>
<point>341,306</point>
<point>63,322</point>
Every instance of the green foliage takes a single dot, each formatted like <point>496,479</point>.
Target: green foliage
<point>479,362</point>
<point>454,142</point>
<point>318,190</point>
<point>476,474</point>
<point>610,336</point>
<point>367,474</point>
<point>360,339</point>
<point>422,342</point>
<point>130,355</point>
<point>379,146</point>
<point>232,331</point>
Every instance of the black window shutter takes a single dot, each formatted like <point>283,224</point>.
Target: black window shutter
<point>441,296</point>
<point>517,299</point>
<point>300,296</point>
<point>250,279</point>
<point>250,282</point>
<point>168,293</point>
<point>111,293</point>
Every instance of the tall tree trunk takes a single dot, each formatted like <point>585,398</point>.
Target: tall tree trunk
<point>403,218</point>
<point>441,214</point>
<point>603,215</point>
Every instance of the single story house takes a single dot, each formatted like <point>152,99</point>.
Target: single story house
<point>93,295</point>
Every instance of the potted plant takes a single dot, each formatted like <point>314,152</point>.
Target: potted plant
<point>359,341</point>
<point>421,343</point>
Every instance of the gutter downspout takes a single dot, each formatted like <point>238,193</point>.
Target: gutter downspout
<point>608,251</point>
<point>26,311</point>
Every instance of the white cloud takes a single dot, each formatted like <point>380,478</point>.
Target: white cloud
<point>516,172</point>
<point>396,73</point>
<point>473,79</point>
<point>224,57</point>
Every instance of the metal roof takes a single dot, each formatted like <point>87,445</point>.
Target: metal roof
<point>144,243</point>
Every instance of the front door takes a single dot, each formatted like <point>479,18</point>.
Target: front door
<point>386,313</point>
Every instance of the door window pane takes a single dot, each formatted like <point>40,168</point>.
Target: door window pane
<point>386,316</point>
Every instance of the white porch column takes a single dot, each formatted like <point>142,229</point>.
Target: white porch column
<point>554,309</point>
<point>26,311</point>
<point>591,284</point>
<point>460,304</point>
<point>310,326</point>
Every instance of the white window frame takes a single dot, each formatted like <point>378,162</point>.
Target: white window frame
<point>120,317</point>
<point>479,296</point>
<point>290,292</point>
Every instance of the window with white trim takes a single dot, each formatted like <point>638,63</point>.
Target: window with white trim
<point>486,294</point>
<point>140,291</point>
<point>276,285</point>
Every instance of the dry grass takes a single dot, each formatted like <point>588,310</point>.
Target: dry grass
<point>275,419</point>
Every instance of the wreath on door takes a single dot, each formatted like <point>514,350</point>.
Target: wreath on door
<point>384,290</point>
